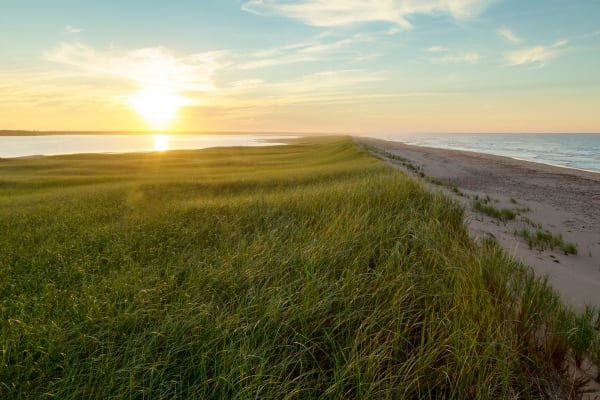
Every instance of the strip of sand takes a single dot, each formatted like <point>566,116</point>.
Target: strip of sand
<point>547,198</point>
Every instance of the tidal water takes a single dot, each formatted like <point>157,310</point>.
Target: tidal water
<point>21,146</point>
<point>579,151</point>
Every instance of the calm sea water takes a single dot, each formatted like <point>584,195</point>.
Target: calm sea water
<point>580,151</point>
<point>20,146</point>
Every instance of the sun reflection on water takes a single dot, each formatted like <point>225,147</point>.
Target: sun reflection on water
<point>161,142</point>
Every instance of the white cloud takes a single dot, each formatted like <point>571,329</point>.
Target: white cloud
<point>316,50</point>
<point>329,81</point>
<point>35,87</point>
<point>508,35</point>
<point>72,29</point>
<point>309,88</point>
<point>329,47</point>
<point>247,84</point>
<point>536,54</point>
<point>465,58</point>
<point>331,13</point>
<point>274,57</point>
<point>560,43</point>
<point>471,58</point>
<point>152,66</point>
<point>153,81</point>
<point>436,49</point>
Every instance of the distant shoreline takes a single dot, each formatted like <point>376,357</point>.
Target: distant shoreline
<point>541,164</point>
<point>570,150</point>
<point>24,133</point>
<point>83,133</point>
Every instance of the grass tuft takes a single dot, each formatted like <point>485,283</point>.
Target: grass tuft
<point>543,240</point>
<point>503,214</point>
<point>568,248</point>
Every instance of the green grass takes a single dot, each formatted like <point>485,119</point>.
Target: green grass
<point>304,271</point>
<point>406,163</point>
<point>386,155</point>
<point>568,248</point>
<point>529,222</point>
<point>503,214</point>
<point>582,333</point>
<point>543,240</point>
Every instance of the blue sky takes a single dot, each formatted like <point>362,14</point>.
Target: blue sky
<point>379,66</point>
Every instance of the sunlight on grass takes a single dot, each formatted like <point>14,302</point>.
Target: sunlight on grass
<point>304,271</point>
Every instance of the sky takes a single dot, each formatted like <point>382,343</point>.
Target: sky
<point>343,66</point>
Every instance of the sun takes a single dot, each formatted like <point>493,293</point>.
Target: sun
<point>157,106</point>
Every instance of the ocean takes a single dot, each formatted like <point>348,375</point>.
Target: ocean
<point>579,151</point>
<point>73,143</point>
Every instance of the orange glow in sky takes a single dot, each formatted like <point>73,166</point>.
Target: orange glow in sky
<point>379,66</point>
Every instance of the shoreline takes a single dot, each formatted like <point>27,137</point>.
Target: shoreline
<point>543,163</point>
<point>29,146</point>
<point>561,200</point>
<point>18,133</point>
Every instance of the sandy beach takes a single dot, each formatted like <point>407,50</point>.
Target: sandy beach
<point>559,200</point>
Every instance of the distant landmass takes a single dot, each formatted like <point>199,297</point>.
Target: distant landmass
<point>45,133</point>
<point>8,132</point>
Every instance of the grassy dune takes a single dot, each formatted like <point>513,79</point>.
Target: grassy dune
<point>304,271</point>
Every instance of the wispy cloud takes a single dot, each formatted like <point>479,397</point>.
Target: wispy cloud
<point>508,35</point>
<point>329,47</point>
<point>337,81</point>
<point>536,54</point>
<point>317,49</point>
<point>72,29</point>
<point>590,35</point>
<point>152,66</point>
<point>329,86</point>
<point>192,77</point>
<point>246,84</point>
<point>446,56</point>
<point>131,77</point>
<point>464,58</point>
<point>436,49</point>
<point>560,43</point>
<point>36,87</point>
<point>332,13</point>
<point>324,82</point>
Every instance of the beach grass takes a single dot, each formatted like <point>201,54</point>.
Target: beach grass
<point>501,214</point>
<point>542,240</point>
<point>311,270</point>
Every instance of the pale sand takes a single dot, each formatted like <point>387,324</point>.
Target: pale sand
<point>563,200</point>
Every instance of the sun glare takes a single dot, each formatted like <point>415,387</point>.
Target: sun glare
<point>161,142</point>
<point>157,106</point>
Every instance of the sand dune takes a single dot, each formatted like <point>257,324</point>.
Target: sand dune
<point>564,201</point>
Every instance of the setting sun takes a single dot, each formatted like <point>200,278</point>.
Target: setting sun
<point>157,106</point>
